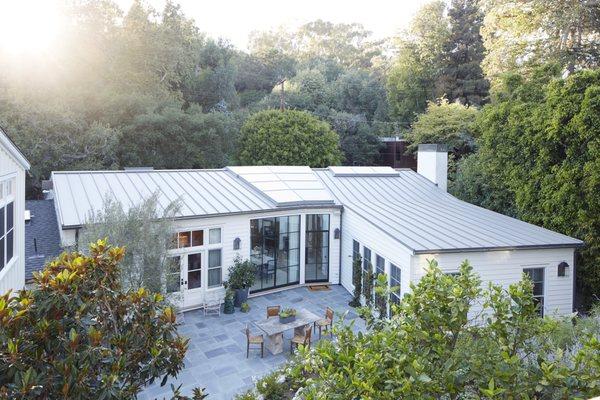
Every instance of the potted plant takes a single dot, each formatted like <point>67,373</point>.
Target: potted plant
<point>228,303</point>
<point>287,315</point>
<point>241,277</point>
<point>245,307</point>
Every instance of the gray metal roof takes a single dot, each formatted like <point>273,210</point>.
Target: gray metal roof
<point>426,219</point>
<point>42,238</point>
<point>199,192</point>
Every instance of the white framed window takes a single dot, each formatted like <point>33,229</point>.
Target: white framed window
<point>7,222</point>
<point>395,282</point>
<point>214,236</point>
<point>537,276</point>
<point>379,265</point>
<point>215,269</point>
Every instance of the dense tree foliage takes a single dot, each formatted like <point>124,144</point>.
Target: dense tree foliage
<point>145,231</point>
<point>80,335</point>
<point>461,78</point>
<point>290,138</point>
<point>539,145</point>
<point>431,349</point>
<point>519,36</point>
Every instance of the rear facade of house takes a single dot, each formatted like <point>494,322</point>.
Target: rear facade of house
<point>13,167</point>
<point>303,226</point>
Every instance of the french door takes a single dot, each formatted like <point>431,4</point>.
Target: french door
<point>186,275</point>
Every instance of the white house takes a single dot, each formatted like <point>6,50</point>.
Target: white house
<point>303,226</point>
<point>12,208</point>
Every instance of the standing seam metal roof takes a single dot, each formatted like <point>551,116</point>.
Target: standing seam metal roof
<point>425,219</point>
<point>200,192</point>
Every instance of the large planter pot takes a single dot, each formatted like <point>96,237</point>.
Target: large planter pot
<point>287,320</point>
<point>241,295</point>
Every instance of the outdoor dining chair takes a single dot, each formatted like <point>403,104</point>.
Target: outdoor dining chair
<point>326,323</point>
<point>301,339</point>
<point>254,339</point>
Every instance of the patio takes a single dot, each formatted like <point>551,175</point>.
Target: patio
<point>216,358</point>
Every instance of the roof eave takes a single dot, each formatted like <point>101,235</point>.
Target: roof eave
<point>13,149</point>
<point>573,245</point>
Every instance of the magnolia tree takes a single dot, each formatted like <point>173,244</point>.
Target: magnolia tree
<point>146,232</point>
<point>79,335</point>
<point>438,345</point>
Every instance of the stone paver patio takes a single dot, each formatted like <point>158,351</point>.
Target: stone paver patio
<point>216,358</point>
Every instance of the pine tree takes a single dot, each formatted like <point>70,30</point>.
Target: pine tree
<point>462,77</point>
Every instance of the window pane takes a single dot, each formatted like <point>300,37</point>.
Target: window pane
<point>194,279</point>
<point>197,238</point>
<point>380,263</point>
<point>174,274</point>
<point>214,258</point>
<point>9,216</point>
<point>294,223</point>
<point>366,258</point>
<point>1,252</point>
<point>184,239</point>
<point>214,277</point>
<point>214,236</point>
<point>194,261</point>
<point>9,246</point>
<point>1,221</point>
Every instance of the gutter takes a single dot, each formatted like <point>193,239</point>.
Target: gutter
<point>503,248</point>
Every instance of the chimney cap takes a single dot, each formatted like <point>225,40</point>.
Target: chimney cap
<point>433,147</point>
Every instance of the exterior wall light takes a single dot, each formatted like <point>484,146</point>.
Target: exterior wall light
<point>336,233</point>
<point>236,243</point>
<point>563,269</point>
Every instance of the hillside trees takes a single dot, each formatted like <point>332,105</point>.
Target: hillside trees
<point>461,78</point>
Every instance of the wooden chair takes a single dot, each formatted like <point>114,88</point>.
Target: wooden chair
<point>326,323</point>
<point>252,339</point>
<point>301,339</point>
<point>273,311</point>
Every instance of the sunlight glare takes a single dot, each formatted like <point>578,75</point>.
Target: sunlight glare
<point>28,26</point>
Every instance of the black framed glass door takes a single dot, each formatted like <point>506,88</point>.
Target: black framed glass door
<point>317,248</point>
<point>275,251</point>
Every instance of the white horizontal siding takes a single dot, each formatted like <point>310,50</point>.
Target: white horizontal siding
<point>13,275</point>
<point>506,267</point>
<point>355,227</point>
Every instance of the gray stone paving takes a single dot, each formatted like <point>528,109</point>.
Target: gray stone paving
<point>216,357</point>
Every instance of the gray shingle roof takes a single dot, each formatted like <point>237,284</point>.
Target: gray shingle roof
<point>426,219</point>
<point>40,231</point>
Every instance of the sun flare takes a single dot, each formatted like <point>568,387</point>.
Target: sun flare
<point>28,26</point>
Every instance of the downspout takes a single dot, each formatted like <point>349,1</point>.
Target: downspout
<point>340,256</point>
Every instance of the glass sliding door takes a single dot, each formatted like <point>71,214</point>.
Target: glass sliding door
<point>317,248</point>
<point>275,251</point>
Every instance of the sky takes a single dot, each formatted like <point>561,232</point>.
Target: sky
<point>235,19</point>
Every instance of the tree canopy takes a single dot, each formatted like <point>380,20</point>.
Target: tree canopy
<point>288,137</point>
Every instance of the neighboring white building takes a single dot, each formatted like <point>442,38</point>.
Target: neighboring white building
<point>303,226</point>
<point>12,208</point>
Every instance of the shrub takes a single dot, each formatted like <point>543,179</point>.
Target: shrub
<point>437,346</point>
<point>288,138</point>
<point>357,281</point>
<point>79,334</point>
<point>241,274</point>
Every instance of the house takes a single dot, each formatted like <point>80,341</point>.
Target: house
<point>12,207</point>
<point>304,226</point>
<point>42,238</point>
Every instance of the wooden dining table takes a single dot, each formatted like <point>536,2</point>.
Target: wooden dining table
<point>274,329</point>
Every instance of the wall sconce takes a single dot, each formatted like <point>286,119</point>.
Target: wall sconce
<point>563,269</point>
<point>336,233</point>
<point>236,243</point>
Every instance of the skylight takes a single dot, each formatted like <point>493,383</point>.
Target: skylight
<point>364,171</point>
<point>285,185</point>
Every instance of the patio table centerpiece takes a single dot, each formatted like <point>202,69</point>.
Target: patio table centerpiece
<point>287,315</point>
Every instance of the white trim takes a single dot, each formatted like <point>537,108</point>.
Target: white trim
<point>8,266</point>
<point>13,150</point>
